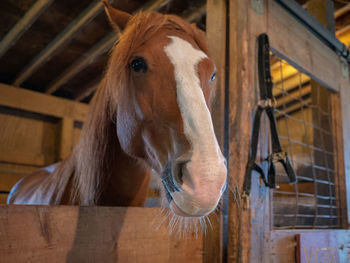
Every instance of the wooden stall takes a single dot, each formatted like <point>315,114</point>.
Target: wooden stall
<point>44,96</point>
<point>266,229</point>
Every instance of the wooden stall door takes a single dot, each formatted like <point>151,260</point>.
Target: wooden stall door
<point>256,232</point>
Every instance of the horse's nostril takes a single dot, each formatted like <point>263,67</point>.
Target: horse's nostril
<point>179,172</point>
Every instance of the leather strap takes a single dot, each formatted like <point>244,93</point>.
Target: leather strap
<point>266,104</point>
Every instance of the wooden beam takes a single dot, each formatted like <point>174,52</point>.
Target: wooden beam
<point>66,138</point>
<point>86,59</point>
<point>343,129</point>
<point>97,50</point>
<point>23,158</point>
<point>153,7</point>
<point>198,14</point>
<point>87,92</point>
<point>60,40</point>
<point>342,11</point>
<point>92,234</point>
<point>40,103</point>
<point>23,24</point>
<point>216,40</point>
<point>241,103</point>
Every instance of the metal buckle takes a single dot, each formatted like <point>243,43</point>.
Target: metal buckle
<point>246,201</point>
<point>275,157</point>
<point>267,102</point>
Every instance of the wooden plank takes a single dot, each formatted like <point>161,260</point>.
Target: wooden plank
<point>23,158</point>
<point>60,40</point>
<point>199,13</point>
<point>241,103</point>
<point>91,234</point>
<point>3,199</point>
<point>27,136</point>
<point>284,244</point>
<point>8,180</point>
<point>40,103</point>
<point>345,132</point>
<point>306,52</point>
<point>322,246</point>
<point>216,40</point>
<point>342,11</point>
<point>66,138</point>
<point>339,161</point>
<point>23,24</point>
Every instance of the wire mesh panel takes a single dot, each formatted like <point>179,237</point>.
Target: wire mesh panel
<point>304,122</point>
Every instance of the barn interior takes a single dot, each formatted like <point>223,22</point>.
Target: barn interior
<point>57,52</point>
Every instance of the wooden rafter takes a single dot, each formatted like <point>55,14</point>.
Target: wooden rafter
<point>23,24</point>
<point>342,11</point>
<point>88,91</point>
<point>60,40</point>
<point>98,49</point>
<point>81,63</point>
<point>37,102</point>
<point>191,17</point>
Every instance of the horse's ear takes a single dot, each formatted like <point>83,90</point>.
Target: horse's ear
<point>117,18</point>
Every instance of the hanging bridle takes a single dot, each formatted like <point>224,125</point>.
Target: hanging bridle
<point>266,104</point>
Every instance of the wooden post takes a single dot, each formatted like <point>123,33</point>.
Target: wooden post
<point>240,109</point>
<point>216,39</point>
<point>66,138</point>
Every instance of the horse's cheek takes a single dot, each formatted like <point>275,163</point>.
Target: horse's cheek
<point>128,134</point>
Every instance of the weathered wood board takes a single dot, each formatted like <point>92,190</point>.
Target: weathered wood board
<point>284,245</point>
<point>91,234</point>
<point>323,246</point>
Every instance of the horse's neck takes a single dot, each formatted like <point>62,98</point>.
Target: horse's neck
<point>127,184</point>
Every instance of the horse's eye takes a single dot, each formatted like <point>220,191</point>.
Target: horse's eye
<point>213,76</point>
<point>139,64</point>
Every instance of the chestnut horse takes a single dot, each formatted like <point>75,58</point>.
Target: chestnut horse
<point>151,111</point>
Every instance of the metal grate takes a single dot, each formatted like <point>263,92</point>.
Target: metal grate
<point>303,113</point>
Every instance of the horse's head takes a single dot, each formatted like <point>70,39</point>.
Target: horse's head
<point>163,112</point>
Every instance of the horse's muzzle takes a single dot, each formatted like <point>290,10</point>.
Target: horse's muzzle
<point>196,190</point>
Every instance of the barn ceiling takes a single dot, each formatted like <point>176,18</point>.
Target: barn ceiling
<point>60,47</point>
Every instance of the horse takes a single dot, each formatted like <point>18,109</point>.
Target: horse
<point>151,112</point>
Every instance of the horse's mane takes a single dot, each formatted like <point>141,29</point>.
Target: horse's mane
<point>90,161</point>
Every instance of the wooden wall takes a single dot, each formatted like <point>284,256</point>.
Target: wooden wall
<point>36,130</point>
<point>92,234</point>
<point>250,231</point>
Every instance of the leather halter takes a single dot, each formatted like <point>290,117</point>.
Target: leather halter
<point>266,104</point>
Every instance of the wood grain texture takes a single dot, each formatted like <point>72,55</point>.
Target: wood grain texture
<point>306,51</point>
<point>40,103</point>
<point>23,24</point>
<point>241,98</point>
<point>90,234</point>
<point>345,130</point>
<point>323,246</point>
<point>27,139</point>
<point>60,40</point>
<point>216,40</point>
<point>284,244</point>
<point>338,149</point>
<point>66,137</point>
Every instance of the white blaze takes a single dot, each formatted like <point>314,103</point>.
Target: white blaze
<point>198,128</point>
